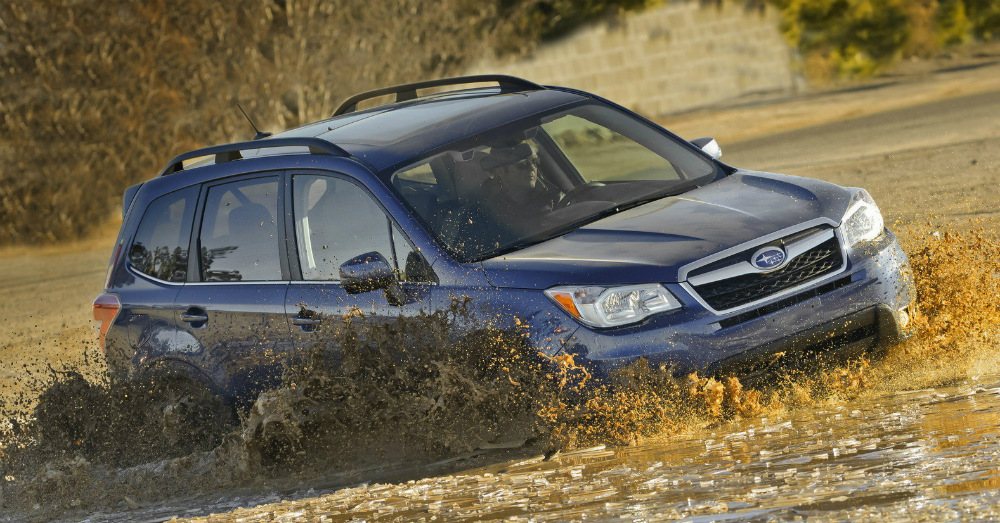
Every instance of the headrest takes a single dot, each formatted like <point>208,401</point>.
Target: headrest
<point>501,156</point>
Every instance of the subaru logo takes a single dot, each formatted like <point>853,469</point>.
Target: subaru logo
<point>768,258</point>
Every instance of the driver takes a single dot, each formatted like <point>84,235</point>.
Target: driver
<point>514,193</point>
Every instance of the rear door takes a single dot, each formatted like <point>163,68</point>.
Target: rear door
<point>233,307</point>
<point>335,219</point>
<point>157,264</point>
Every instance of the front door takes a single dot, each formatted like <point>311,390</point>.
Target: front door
<point>336,220</point>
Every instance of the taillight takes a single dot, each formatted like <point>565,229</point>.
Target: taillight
<point>106,308</point>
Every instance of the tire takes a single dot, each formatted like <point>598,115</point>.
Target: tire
<point>190,415</point>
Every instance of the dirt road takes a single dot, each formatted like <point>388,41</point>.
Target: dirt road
<point>934,149</point>
<point>941,157</point>
<point>46,308</point>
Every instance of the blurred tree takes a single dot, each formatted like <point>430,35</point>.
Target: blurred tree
<point>97,96</point>
<point>845,37</point>
<point>952,23</point>
<point>984,16</point>
<point>525,22</point>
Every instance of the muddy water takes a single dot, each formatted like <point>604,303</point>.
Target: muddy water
<point>854,442</point>
<point>927,455</point>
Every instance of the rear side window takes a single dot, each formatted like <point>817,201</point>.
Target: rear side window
<point>160,248</point>
<point>239,232</point>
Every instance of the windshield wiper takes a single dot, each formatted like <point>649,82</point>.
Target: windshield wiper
<point>574,225</point>
<point>663,193</point>
<point>555,233</point>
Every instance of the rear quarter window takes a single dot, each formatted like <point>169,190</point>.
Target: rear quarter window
<point>160,247</point>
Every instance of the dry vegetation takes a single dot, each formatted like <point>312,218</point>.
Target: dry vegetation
<point>97,96</point>
<point>858,38</point>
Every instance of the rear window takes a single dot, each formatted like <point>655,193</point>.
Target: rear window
<point>160,247</point>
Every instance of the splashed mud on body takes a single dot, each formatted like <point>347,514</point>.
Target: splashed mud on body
<point>407,393</point>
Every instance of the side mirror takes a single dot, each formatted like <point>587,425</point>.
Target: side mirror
<point>365,273</point>
<point>709,145</point>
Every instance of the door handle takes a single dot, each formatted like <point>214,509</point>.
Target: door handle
<point>194,318</point>
<point>307,320</point>
<point>194,315</point>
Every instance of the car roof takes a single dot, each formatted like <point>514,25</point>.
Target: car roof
<point>398,133</point>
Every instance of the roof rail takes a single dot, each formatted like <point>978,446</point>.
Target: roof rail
<point>408,92</point>
<point>231,152</point>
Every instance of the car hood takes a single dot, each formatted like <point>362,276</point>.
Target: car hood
<point>650,243</point>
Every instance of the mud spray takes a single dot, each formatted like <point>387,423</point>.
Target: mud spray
<point>407,393</point>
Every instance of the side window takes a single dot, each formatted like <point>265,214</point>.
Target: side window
<point>239,232</point>
<point>160,248</point>
<point>335,220</point>
<point>410,264</point>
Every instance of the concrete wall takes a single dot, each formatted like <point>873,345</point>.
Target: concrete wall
<point>668,59</point>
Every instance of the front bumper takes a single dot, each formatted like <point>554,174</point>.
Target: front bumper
<point>859,332</point>
<point>862,305</point>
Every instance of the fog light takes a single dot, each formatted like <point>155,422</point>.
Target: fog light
<point>904,318</point>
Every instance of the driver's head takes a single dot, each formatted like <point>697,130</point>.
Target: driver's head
<point>515,166</point>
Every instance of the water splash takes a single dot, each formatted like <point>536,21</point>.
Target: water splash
<point>407,392</point>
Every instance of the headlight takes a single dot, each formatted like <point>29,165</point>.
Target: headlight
<point>862,221</point>
<point>613,306</point>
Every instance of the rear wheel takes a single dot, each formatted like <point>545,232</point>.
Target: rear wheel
<point>191,416</point>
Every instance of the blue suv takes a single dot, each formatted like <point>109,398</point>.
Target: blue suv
<point>601,233</point>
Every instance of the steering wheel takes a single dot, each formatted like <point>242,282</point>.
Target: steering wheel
<point>578,193</point>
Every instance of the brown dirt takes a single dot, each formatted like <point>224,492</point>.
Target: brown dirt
<point>45,301</point>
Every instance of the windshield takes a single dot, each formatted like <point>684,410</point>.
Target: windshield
<point>541,177</point>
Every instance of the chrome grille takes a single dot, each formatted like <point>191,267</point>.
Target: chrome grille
<point>729,293</point>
